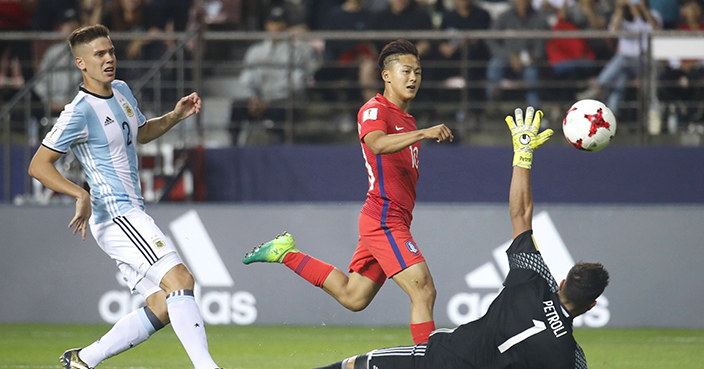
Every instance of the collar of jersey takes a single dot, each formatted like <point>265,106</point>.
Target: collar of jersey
<point>96,95</point>
<point>390,104</point>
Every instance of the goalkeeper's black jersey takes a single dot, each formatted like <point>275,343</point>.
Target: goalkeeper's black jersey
<point>525,327</point>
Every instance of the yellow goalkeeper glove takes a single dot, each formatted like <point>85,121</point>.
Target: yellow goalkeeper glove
<point>526,137</point>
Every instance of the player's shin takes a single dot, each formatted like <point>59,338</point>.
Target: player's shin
<point>309,268</point>
<point>131,330</point>
<point>189,327</point>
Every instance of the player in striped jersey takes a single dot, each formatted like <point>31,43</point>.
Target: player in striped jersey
<point>390,147</point>
<point>529,324</point>
<point>101,126</point>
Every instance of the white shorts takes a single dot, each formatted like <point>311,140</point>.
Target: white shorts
<point>142,252</point>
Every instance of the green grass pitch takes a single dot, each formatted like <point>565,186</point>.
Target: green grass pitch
<point>294,347</point>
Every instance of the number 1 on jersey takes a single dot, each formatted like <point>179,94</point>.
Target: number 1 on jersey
<point>538,326</point>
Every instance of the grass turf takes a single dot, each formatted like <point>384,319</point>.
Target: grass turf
<point>278,347</point>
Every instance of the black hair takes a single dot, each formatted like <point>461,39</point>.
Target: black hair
<point>393,50</point>
<point>584,283</point>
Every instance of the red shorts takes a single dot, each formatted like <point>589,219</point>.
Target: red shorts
<point>383,249</point>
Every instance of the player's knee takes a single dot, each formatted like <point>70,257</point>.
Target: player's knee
<point>424,294</point>
<point>355,304</point>
<point>158,306</point>
<point>178,278</point>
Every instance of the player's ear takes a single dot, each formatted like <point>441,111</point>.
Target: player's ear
<point>592,305</point>
<point>562,284</point>
<point>386,75</point>
<point>80,64</point>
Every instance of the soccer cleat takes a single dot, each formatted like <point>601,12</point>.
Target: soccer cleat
<point>272,251</point>
<point>70,360</point>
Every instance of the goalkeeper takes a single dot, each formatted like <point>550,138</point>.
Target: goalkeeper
<point>529,325</point>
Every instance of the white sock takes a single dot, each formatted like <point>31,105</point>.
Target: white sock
<point>188,325</point>
<point>133,329</point>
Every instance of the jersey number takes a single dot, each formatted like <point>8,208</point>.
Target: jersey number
<point>126,126</point>
<point>538,326</point>
<point>414,157</point>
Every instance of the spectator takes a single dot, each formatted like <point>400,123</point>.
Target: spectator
<point>669,11</point>
<point>592,15</point>
<point>403,15</point>
<point>466,16</point>
<point>16,56</point>
<point>217,15</point>
<point>683,77</point>
<point>317,12</point>
<point>549,8</point>
<point>628,16</point>
<point>129,16</point>
<point>59,86</point>
<point>521,55</point>
<point>345,57</point>
<point>137,16</point>
<point>51,12</point>
<point>265,79</point>
<point>570,58</point>
<point>90,12</point>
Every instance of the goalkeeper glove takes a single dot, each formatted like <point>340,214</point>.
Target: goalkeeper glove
<point>526,137</point>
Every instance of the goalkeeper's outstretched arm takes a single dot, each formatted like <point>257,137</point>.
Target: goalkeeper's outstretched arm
<point>525,140</point>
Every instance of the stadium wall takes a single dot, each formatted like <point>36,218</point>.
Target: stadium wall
<point>448,174</point>
<point>653,253</point>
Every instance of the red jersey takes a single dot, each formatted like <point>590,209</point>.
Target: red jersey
<point>392,177</point>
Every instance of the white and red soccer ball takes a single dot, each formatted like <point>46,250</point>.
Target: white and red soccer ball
<point>589,125</point>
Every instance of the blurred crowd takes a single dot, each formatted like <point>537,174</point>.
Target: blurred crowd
<point>346,70</point>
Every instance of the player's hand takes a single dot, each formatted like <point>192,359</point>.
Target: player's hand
<point>525,136</point>
<point>83,212</point>
<point>187,106</point>
<point>439,133</point>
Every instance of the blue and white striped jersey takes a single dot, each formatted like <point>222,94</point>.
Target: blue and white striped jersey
<point>102,133</point>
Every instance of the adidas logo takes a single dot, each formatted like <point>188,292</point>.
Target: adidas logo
<point>196,248</point>
<point>465,307</point>
<point>108,121</point>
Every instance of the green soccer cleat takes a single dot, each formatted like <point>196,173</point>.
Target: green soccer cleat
<point>272,251</point>
<point>70,360</point>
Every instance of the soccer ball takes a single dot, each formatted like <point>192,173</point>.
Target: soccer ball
<point>589,125</point>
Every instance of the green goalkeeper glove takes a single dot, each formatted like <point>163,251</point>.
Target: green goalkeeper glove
<point>526,137</point>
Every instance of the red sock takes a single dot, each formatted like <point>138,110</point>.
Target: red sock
<point>422,331</point>
<point>310,268</point>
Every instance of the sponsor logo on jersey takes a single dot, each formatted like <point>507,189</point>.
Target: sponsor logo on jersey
<point>128,109</point>
<point>218,301</point>
<point>412,247</point>
<point>486,281</point>
<point>370,114</point>
<point>54,134</point>
<point>108,121</point>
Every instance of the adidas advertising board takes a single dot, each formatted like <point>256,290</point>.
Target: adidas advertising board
<point>213,288</point>
<point>486,281</point>
<point>653,254</point>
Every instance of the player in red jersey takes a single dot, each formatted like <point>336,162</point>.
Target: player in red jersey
<point>386,249</point>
